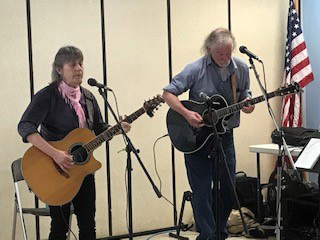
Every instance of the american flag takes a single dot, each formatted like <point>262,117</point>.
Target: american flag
<point>297,69</point>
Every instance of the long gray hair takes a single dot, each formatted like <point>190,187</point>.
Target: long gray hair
<point>64,55</point>
<point>219,36</point>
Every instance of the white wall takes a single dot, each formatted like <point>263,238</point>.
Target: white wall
<point>137,68</point>
<point>261,26</point>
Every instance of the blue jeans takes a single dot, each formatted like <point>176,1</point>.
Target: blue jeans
<point>201,174</point>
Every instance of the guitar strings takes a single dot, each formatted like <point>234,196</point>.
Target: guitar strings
<point>84,148</point>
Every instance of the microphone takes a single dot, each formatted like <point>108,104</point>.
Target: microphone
<point>204,96</point>
<point>244,49</point>
<point>94,83</point>
<point>207,98</point>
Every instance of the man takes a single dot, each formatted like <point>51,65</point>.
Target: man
<point>211,75</point>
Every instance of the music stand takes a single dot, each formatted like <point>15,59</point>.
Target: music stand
<point>309,155</point>
<point>308,159</point>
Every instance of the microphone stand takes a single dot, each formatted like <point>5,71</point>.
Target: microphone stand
<point>129,148</point>
<point>218,155</point>
<point>281,145</point>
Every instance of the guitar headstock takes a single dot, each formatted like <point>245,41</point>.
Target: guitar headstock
<point>152,104</point>
<point>289,89</point>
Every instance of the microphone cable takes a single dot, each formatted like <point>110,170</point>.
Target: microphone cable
<point>118,114</point>
<point>65,221</point>
<point>156,170</point>
<point>155,160</point>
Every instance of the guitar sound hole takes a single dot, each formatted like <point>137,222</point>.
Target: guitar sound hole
<point>79,153</point>
<point>207,119</point>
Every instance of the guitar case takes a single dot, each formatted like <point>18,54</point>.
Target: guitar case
<point>295,136</point>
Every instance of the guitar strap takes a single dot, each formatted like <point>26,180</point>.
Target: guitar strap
<point>234,87</point>
<point>90,109</point>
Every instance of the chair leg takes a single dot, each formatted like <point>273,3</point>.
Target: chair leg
<point>14,226</point>
<point>24,232</point>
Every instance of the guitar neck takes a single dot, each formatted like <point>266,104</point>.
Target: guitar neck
<point>109,133</point>
<point>238,106</point>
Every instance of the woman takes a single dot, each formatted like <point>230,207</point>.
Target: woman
<point>58,109</point>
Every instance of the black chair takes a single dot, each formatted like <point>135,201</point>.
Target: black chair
<point>18,209</point>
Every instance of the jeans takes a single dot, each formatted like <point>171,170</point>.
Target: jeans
<point>201,174</point>
<point>84,208</point>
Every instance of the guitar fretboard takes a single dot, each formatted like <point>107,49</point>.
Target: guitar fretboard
<point>238,106</point>
<point>109,133</point>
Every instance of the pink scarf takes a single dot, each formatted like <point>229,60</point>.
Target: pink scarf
<point>72,97</point>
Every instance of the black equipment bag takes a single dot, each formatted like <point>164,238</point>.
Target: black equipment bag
<point>291,188</point>
<point>246,188</point>
<point>295,136</point>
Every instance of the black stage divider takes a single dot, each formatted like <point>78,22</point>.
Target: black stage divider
<point>175,217</point>
<point>31,80</point>
<point>229,15</point>
<point>104,69</point>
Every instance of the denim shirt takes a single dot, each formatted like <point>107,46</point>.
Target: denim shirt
<point>206,76</point>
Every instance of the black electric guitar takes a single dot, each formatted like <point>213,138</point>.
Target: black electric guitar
<point>188,139</point>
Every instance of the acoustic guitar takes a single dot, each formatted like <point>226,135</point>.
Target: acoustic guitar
<point>188,139</point>
<point>56,187</point>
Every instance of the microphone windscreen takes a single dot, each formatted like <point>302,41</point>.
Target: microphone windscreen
<point>92,82</point>
<point>242,49</point>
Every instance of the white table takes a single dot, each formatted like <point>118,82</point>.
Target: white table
<point>270,148</point>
